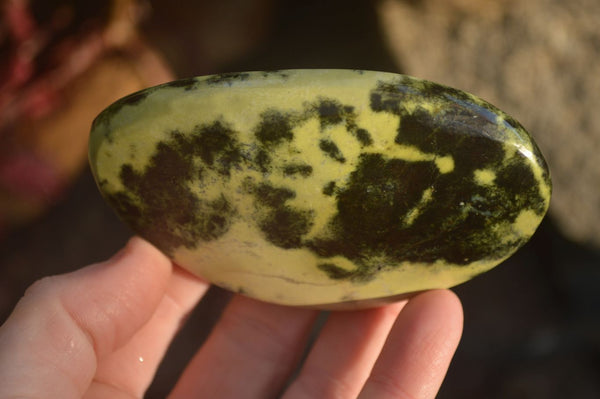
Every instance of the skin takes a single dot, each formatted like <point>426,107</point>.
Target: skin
<point>102,331</point>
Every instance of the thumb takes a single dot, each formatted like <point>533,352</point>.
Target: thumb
<point>51,343</point>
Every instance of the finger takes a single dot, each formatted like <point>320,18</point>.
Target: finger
<point>343,356</point>
<point>130,369</point>
<point>50,345</point>
<point>418,350</point>
<point>249,354</point>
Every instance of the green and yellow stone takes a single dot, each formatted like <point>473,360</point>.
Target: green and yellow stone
<point>325,188</point>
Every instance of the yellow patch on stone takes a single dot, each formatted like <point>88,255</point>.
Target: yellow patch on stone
<point>382,126</point>
<point>416,211</point>
<point>484,177</point>
<point>411,153</point>
<point>445,164</point>
<point>526,223</point>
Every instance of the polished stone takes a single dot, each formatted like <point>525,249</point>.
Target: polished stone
<point>321,188</point>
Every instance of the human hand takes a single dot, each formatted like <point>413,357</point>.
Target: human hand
<point>101,332</point>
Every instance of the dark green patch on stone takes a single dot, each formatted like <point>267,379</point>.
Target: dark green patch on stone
<point>435,90</point>
<point>134,98</point>
<point>274,128</point>
<point>380,191</point>
<point>129,177</point>
<point>297,169</point>
<point>186,84</point>
<point>451,136</point>
<point>458,225</point>
<point>370,207</point>
<point>262,160</point>
<point>331,150</point>
<point>285,226</point>
<point>520,185</point>
<point>227,78</point>
<point>387,97</point>
<point>217,146</point>
<point>273,197</point>
<point>282,224</point>
<point>217,218</point>
<point>157,202</point>
<point>329,188</point>
<point>330,112</point>
<point>279,73</point>
<point>364,137</point>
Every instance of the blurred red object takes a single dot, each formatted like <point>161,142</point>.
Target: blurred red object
<point>61,62</point>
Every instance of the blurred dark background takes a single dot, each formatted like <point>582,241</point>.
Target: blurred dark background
<point>532,325</point>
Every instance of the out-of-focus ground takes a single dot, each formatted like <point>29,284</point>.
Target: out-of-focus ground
<point>532,325</point>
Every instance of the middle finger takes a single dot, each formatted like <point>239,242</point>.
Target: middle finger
<point>343,355</point>
<point>249,354</point>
